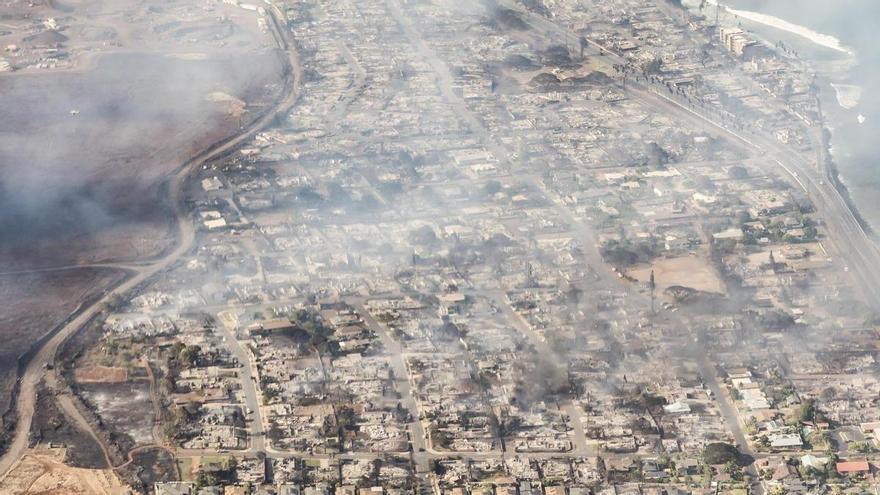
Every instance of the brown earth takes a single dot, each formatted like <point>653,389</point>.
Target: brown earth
<point>44,473</point>
<point>695,272</point>
<point>148,467</point>
<point>52,427</point>
<point>85,157</point>
<point>34,304</point>
<point>85,152</point>
<point>139,88</point>
<point>125,409</point>
<point>95,192</point>
<point>100,374</point>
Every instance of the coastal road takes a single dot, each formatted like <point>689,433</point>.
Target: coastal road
<point>844,229</point>
<point>839,218</point>
<point>185,236</point>
<point>845,232</point>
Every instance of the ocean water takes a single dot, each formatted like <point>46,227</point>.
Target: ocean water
<point>838,40</point>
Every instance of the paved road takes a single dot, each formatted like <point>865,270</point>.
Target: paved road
<point>68,408</point>
<point>580,229</point>
<point>418,436</point>
<point>827,202</point>
<point>357,87</point>
<point>248,375</point>
<point>729,413</point>
<point>582,447</point>
<point>845,231</point>
<point>34,372</point>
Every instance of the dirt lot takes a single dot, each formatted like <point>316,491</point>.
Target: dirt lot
<point>100,374</point>
<point>687,271</point>
<point>43,473</point>
<point>150,466</point>
<point>112,382</point>
<point>33,304</point>
<point>125,408</point>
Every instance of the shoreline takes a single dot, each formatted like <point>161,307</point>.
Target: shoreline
<point>830,94</point>
<point>833,173</point>
<point>848,95</point>
<point>815,37</point>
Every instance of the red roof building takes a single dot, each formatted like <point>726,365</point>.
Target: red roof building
<point>853,467</point>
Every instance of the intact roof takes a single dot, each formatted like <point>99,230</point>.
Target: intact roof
<point>786,440</point>
<point>853,466</point>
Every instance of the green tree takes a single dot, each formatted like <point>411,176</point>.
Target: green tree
<point>720,453</point>
<point>778,490</point>
<point>860,447</point>
<point>189,356</point>
<point>653,67</point>
<point>732,468</point>
<point>806,412</point>
<point>810,233</point>
<point>820,439</point>
<point>763,442</point>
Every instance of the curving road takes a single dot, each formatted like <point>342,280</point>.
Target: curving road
<point>845,231</point>
<point>35,370</point>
